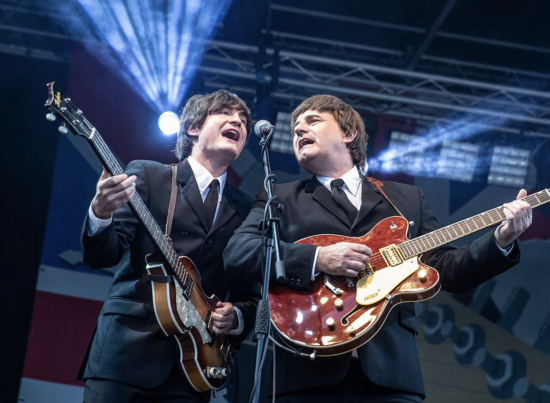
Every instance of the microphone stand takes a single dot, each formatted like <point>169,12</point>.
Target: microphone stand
<point>270,227</point>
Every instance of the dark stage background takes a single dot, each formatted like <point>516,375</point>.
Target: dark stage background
<point>478,69</point>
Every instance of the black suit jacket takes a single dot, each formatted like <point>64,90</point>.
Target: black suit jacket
<point>128,345</point>
<point>390,359</point>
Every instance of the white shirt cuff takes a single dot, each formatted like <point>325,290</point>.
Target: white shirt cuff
<point>96,225</point>
<point>506,251</point>
<point>313,274</point>
<point>240,321</point>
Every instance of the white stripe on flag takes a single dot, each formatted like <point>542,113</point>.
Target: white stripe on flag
<point>73,283</point>
<point>35,391</point>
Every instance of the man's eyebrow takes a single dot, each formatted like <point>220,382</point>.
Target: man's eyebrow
<point>308,116</point>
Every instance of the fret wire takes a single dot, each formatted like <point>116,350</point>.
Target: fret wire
<point>483,221</point>
<point>423,243</point>
<point>403,249</point>
<point>410,250</point>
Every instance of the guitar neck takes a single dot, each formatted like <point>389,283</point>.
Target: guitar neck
<point>452,232</point>
<point>142,213</point>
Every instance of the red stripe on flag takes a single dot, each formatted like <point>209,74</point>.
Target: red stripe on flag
<point>61,328</point>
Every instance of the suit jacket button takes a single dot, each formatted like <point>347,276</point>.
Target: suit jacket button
<point>209,240</point>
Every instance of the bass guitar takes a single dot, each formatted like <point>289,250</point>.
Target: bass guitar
<point>338,314</point>
<point>182,308</point>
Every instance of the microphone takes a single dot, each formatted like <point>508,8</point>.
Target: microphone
<point>263,128</point>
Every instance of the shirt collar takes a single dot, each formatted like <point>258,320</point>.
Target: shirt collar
<point>352,180</point>
<point>203,176</point>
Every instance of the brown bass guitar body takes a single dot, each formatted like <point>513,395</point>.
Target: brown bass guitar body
<point>204,355</point>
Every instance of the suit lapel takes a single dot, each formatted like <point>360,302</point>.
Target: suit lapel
<point>190,192</point>
<point>323,196</point>
<point>369,199</point>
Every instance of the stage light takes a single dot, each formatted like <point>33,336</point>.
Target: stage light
<point>458,161</point>
<point>169,123</point>
<point>508,166</point>
<point>155,46</point>
<point>282,138</point>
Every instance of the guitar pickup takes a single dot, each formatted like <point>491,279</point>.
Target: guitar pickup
<point>391,255</point>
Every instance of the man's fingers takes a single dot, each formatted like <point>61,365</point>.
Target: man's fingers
<point>112,181</point>
<point>360,248</point>
<point>104,175</point>
<point>351,273</point>
<point>522,193</point>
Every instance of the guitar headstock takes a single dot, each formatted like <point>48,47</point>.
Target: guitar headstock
<point>72,117</point>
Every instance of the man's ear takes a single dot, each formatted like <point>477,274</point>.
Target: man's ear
<point>193,131</point>
<point>350,138</point>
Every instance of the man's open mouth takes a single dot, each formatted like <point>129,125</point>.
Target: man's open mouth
<point>231,134</point>
<point>304,142</point>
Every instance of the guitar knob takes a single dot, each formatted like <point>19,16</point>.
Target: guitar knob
<point>330,323</point>
<point>351,331</point>
<point>51,117</point>
<point>422,275</point>
<point>339,304</point>
<point>63,130</point>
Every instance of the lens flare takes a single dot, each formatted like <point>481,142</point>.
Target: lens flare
<point>168,123</point>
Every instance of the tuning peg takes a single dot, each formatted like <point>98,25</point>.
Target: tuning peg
<point>63,129</point>
<point>51,117</point>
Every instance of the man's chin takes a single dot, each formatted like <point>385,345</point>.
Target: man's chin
<point>306,161</point>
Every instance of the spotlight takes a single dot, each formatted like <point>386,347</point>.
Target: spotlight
<point>169,123</point>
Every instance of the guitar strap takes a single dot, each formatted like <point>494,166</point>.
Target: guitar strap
<point>169,219</point>
<point>378,185</point>
<point>172,205</point>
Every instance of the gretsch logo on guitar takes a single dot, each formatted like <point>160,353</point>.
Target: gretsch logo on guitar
<point>338,314</point>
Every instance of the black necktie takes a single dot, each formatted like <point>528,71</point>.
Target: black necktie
<point>211,201</point>
<point>342,200</point>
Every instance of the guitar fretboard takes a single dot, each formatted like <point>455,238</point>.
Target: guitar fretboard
<point>142,212</point>
<point>452,232</point>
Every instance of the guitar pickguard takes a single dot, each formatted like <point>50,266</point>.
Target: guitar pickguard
<point>372,289</point>
<point>190,316</point>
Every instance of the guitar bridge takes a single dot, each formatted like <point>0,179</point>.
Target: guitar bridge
<point>331,287</point>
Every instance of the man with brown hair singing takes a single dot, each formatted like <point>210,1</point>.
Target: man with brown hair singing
<point>330,142</point>
<point>130,358</point>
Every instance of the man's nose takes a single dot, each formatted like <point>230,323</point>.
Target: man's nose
<point>235,119</point>
<point>300,129</point>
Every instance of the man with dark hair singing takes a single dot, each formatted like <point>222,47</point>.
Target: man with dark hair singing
<point>130,358</point>
<point>330,142</point>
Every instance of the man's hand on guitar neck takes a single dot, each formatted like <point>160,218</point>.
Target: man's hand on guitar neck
<point>343,259</point>
<point>111,193</point>
<point>519,216</point>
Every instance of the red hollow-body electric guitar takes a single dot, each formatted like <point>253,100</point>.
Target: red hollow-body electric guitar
<point>338,314</point>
